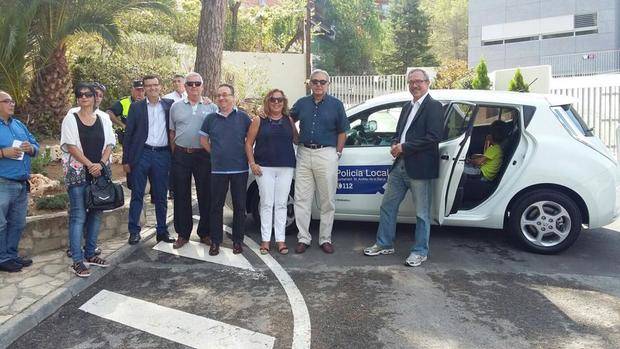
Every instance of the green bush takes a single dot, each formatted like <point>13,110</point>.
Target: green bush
<point>481,81</point>
<point>517,83</point>
<point>54,202</point>
<point>38,163</point>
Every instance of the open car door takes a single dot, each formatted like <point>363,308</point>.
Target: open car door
<point>458,124</point>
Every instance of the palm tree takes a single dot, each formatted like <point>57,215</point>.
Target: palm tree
<point>56,21</point>
<point>16,48</point>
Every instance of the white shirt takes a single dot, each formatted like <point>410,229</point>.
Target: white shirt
<point>175,96</point>
<point>414,110</point>
<point>158,135</point>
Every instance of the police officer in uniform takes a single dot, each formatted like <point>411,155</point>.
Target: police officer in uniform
<point>118,111</point>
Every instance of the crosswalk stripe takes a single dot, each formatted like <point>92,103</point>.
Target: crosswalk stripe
<point>172,324</point>
<point>196,250</point>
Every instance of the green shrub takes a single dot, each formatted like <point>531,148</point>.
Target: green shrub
<point>481,80</point>
<point>517,83</point>
<point>54,202</point>
<point>38,163</point>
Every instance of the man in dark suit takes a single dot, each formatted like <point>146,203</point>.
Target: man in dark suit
<point>146,154</point>
<point>415,148</point>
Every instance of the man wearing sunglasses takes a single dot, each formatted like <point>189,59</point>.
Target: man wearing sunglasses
<point>322,124</point>
<point>179,93</point>
<point>189,159</point>
<point>17,147</point>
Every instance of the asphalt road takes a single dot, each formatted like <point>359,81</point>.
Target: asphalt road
<point>477,290</point>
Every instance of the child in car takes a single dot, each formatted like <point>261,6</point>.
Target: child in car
<point>486,166</point>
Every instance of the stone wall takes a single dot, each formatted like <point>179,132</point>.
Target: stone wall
<point>51,231</point>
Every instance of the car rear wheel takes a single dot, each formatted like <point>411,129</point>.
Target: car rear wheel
<point>291,227</point>
<point>545,221</point>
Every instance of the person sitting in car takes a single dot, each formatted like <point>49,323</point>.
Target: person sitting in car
<point>486,166</point>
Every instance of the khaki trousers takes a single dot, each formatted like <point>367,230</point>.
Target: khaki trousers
<point>317,169</point>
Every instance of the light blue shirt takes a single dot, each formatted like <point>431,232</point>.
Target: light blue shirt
<point>10,131</point>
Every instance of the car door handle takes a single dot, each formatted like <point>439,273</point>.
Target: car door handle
<point>445,157</point>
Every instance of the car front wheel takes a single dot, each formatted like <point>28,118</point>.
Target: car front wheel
<point>545,221</point>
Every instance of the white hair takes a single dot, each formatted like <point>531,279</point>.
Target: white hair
<point>319,71</point>
<point>426,77</point>
<point>193,74</point>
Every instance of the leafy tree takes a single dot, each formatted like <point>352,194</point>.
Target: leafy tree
<point>517,84</point>
<point>211,44</point>
<point>15,25</point>
<point>448,25</point>
<point>481,81</point>
<point>408,37</point>
<point>449,74</point>
<point>55,23</point>
<point>358,33</point>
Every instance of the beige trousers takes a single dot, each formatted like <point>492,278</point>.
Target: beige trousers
<point>317,169</point>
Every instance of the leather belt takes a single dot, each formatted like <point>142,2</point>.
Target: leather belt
<point>188,150</point>
<point>150,147</point>
<point>315,146</point>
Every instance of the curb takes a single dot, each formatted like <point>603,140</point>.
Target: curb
<point>26,320</point>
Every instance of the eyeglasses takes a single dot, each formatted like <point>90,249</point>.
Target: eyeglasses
<point>416,82</point>
<point>316,82</point>
<point>151,85</point>
<point>193,83</point>
<point>223,95</point>
<point>8,101</point>
<point>276,99</point>
<point>84,94</point>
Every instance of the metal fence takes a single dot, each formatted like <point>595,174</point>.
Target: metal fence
<point>352,90</point>
<point>600,109</point>
<point>579,64</point>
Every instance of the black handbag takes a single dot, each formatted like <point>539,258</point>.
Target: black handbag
<point>103,194</point>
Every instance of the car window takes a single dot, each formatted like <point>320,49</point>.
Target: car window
<point>457,120</point>
<point>375,127</point>
<point>572,121</point>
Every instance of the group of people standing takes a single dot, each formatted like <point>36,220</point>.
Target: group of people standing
<point>170,140</point>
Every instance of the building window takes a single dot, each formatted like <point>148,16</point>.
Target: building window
<point>585,20</point>
<point>586,32</point>
<point>489,43</point>
<point>526,38</point>
<point>558,35</point>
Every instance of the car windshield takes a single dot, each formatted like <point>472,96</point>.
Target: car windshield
<point>572,121</point>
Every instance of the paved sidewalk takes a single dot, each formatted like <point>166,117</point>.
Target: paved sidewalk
<point>29,296</point>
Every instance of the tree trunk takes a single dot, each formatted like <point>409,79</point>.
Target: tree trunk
<point>210,44</point>
<point>49,93</point>
<point>234,11</point>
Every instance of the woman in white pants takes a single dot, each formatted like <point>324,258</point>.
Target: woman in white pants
<point>270,152</point>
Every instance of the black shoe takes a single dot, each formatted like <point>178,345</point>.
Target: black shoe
<point>134,238</point>
<point>10,266</point>
<point>165,238</point>
<point>24,261</point>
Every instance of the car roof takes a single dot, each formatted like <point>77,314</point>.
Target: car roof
<point>475,96</point>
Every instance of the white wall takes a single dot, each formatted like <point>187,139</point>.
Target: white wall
<point>501,78</point>
<point>286,71</point>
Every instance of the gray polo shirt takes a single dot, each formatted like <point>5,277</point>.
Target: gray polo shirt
<point>186,120</point>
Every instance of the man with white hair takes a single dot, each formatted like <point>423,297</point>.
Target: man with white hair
<point>189,159</point>
<point>415,148</point>
<point>322,123</point>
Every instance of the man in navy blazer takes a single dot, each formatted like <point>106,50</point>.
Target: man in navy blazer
<point>146,154</point>
<point>415,148</point>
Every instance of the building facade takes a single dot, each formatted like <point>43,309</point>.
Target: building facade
<point>574,37</point>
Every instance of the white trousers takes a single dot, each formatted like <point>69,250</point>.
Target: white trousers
<point>274,186</point>
<point>317,169</point>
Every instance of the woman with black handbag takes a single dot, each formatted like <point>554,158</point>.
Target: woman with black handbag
<point>87,139</point>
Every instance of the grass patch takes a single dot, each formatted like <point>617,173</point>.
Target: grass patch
<point>53,202</point>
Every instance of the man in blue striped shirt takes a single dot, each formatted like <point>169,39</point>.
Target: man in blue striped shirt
<point>17,146</point>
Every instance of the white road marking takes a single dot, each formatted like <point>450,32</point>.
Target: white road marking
<point>174,325</point>
<point>196,250</point>
<point>301,316</point>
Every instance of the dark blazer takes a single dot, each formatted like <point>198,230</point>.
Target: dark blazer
<point>421,147</point>
<point>137,130</point>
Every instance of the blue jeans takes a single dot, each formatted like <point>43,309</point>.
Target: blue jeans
<point>13,207</point>
<point>397,185</point>
<point>81,219</point>
<point>154,165</point>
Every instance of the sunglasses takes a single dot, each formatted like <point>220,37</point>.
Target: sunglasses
<point>84,94</point>
<point>316,82</point>
<point>193,83</point>
<point>276,99</point>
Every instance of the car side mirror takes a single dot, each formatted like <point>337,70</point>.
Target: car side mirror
<point>370,126</point>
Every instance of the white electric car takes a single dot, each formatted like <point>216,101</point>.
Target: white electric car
<point>556,176</point>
